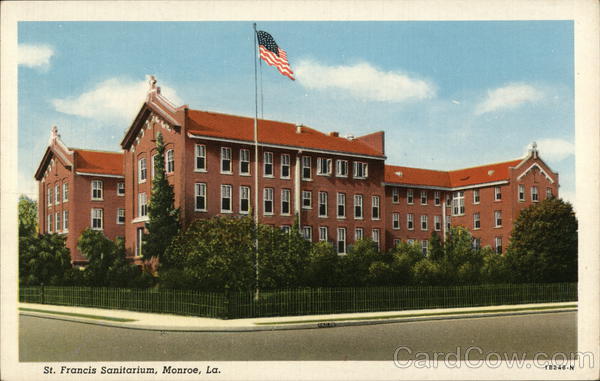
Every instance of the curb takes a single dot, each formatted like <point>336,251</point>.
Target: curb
<point>287,327</point>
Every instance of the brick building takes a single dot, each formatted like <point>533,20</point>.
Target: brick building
<point>339,186</point>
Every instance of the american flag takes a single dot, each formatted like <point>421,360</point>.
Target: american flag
<point>273,54</point>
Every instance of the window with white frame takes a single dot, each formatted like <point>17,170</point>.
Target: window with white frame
<point>423,197</point>
<point>306,171</point>
<point>120,216</point>
<point>341,240</point>
<point>200,197</point>
<point>142,205</point>
<point>476,198</point>
<point>424,246</point>
<point>286,196</point>
<point>458,203</point>
<point>120,189</point>
<point>200,155</point>
<point>498,244</point>
<point>375,207</point>
<point>97,217</point>
<point>448,222</point>
<point>396,221</point>
<point>323,233</point>
<point>534,194</point>
<point>268,201</point>
<point>306,200</point>
<point>361,170</point>
<point>285,166</point>
<point>226,206</point>
<point>286,229</point>
<point>437,198</point>
<point>410,221</point>
<point>395,195</point>
<point>142,170</point>
<point>359,233</point>
<point>341,205</point>
<point>324,166</point>
<point>375,236</point>
<point>322,204</point>
<point>498,218</point>
<point>437,222</point>
<point>497,193</point>
<point>153,165</point>
<point>65,220</point>
<point>170,167</point>
<point>341,168</point>
<point>307,233</point>
<point>476,243</point>
<point>424,223</point>
<point>268,164</point>
<point>244,161</point>
<point>49,195</point>
<point>65,192</point>
<point>410,198</point>
<point>226,160</point>
<point>57,194</point>
<point>521,192</point>
<point>139,239</point>
<point>549,193</point>
<point>49,223</point>
<point>476,221</point>
<point>244,199</point>
<point>358,206</point>
<point>96,189</point>
<point>57,222</point>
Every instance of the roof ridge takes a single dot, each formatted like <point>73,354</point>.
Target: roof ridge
<point>486,165</point>
<point>95,150</point>
<point>247,117</point>
<point>423,169</point>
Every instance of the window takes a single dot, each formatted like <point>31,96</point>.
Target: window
<point>65,192</point>
<point>244,199</point>
<point>410,241</point>
<point>476,243</point>
<point>497,193</point>
<point>268,201</point>
<point>306,200</point>
<point>323,233</point>
<point>324,167</point>
<point>322,204</point>
<point>97,218</point>
<point>437,222</point>
<point>200,197</point>
<point>225,160</point>
<point>424,223</point>
<point>96,189</point>
<point>448,221</point>
<point>142,207</point>
<point>341,205</point>
<point>424,246</point>
<point>153,164</point>
<point>49,223</point>
<point>549,193</point>
<point>360,170</point>
<point>476,221</point>
<point>200,153</point>
<point>341,168</point>
<point>375,207</point>
<point>307,233</point>
<point>57,222</point>
<point>395,195</point>
<point>498,218</point>
<point>534,194</point>
<point>359,234</point>
<point>410,196</point>
<point>341,240</point>
<point>306,173</point>
<point>244,162</point>
<point>375,236</point>
<point>396,221</point>
<point>142,170</point>
<point>358,206</point>
<point>498,243</point>
<point>139,239</point>
<point>285,201</point>
<point>458,203</point>
<point>285,166</point>
<point>396,242</point>
<point>57,194</point>
<point>170,161</point>
<point>423,197</point>
<point>120,216</point>
<point>410,221</point>
<point>49,195</point>
<point>226,199</point>
<point>65,220</point>
<point>286,229</point>
<point>437,199</point>
<point>521,192</point>
<point>476,198</point>
<point>120,189</point>
<point>268,164</point>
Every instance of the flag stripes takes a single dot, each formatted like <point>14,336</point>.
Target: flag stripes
<point>280,62</point>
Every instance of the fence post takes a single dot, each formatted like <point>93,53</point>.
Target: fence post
<point>226,306</point>
<point>42,290</point>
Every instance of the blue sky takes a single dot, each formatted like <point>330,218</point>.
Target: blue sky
<point>447,94</point>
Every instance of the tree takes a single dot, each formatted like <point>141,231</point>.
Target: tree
<point>354,266</point>
<point>163,224</point>
<point>27,217</point>
<point>43,259</point>
<point>322,267</point>
<point>543,245</point>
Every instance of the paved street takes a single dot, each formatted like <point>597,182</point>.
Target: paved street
<point>44,339</point>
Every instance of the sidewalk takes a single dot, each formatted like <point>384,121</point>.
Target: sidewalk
<point>167,322</point>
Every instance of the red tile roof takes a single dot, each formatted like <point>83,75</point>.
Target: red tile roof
<point>450,179</point>
<point>99,162</point>
<point>226,126</point>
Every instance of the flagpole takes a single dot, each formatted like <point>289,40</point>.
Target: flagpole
<point>256,163</point>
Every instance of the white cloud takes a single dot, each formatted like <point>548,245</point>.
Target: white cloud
<point>363,81</point>
<point>27,185</point>
<point>508,97</point>
<point>111,100</point>
<point>35,56</point>
<point>554,149</point>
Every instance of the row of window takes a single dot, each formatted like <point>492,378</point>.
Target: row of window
<point>55,197</point>
<point>410,197</point>
<point>497,220</point>
<point>476,244</point>
<point>410,222</point>
<point>143,168</point>
<point>98,190</point>
<point>57,224</point>
<point>340,241</point>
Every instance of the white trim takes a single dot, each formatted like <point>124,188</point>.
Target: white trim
<point>165,113</point>
<point>541,170</point>
<point>481,185</point>
<point>99,175</point>
<point>140,219</point>
<point>282,146</point>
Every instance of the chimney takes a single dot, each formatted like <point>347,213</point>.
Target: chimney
<point>299,128</point>
<point>335,134</point>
